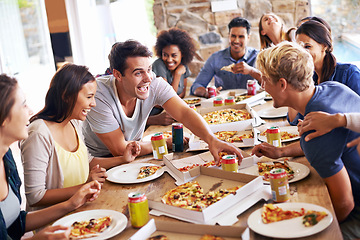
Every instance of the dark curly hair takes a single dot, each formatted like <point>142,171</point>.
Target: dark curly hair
<point>178,37</point>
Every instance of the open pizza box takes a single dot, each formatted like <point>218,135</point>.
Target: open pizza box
<point>223,212</point>
<point>196,144</point>
<point>182,230</point>
<point>258,98</point>
<point>255,120</point>
<point>173,165</point>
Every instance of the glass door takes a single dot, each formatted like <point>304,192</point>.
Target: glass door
<point>25,47</point>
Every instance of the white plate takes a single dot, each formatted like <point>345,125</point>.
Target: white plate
<point>127,173</point>
<point>300,171</point>
<point>118,224</point>
<point>147,138</point>
<point>289,129</point>
<point>273,112</point>
<point>292,228</point>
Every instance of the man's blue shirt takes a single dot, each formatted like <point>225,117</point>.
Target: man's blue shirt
<point>225,79</point>
<point>344,73</point>
<point>328,153</point>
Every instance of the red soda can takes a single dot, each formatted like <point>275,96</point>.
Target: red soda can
<point>212,91</point>
<point>251,87</point>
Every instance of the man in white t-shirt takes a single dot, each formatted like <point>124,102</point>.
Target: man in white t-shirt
<point>125,99</point>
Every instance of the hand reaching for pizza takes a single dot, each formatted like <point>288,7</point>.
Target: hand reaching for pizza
<point>97,173</point>
<point>216,146</point>
<point>53,232</point>
<point>87,193</point>
<point>132,150</point>
<point>241,67</point>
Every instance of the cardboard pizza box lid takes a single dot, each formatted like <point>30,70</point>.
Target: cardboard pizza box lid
<point>182,230</point>
<point>210,179</point>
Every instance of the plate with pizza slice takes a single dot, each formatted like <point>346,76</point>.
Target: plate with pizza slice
<point>289,220</point>
<point>134,173</point>
<point>288,134</point>
<point>192,101</point>
<point>94,224</point>
<point>296,171</point>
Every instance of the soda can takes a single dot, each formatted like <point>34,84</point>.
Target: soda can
<point>159,145</point>
<point>177,137</point>
<point>273,136</point>
<point>251,87</point>
<point>212,91</point>
<point>279,185</point>
<point>229,163</point>
<point>230,100</point>
<point>138,209</point>
<point>218,102</point>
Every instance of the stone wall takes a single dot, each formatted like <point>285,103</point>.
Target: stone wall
<point>209,29</point>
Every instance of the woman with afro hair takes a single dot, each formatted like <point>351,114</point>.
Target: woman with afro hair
<point>175,49</point>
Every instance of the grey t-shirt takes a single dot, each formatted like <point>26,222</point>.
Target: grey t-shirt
<point>108,115</point>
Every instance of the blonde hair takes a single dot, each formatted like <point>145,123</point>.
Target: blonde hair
<point>265,41</point>
<point>287,60</point>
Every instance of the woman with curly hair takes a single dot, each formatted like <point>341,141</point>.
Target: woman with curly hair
<point>175,50</point>
<point>272,30</point>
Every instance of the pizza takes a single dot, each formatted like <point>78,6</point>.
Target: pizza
<point>189,167</point>
<point>158,237</point>
<point>286,135</point>
<point>147,171</point>
<point>167,134</point>
<point>210,237</point>
<point>191,196</point>
<point>271,213</point>
<point>226,116</point>
<point>225,135</point>
<point>239,138</point>
<point>192,101</point>
<point>239,98</point>
<point>228,68</point>
<point>311,217</point>
<point>89,228</point>
<point>264,169</point>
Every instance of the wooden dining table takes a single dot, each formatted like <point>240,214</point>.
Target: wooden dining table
<point>311,189</point>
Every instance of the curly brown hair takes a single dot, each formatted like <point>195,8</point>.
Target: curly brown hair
<point>178,37</point>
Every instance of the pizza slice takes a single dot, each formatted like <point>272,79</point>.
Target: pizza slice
<point>147,171</point>
<point>286,135</point>
<point>224,135</point>
<point>239,138</point>
<point>264,169</point>
<point>167,134</point>
<point>89,228</point>
<point>187,195</point>
<point>239,98</point>
<point>210,237</point>
<point>271,213</point>
<point>311,217</point>
<point>228,68</point>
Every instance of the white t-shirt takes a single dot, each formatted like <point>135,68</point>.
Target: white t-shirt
<point>108,115</point>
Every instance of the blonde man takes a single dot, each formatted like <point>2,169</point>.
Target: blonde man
<point>287,71</point>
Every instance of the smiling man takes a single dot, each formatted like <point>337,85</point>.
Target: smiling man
<point>287,71</point>
<point>124,101</point>
<point>239,54</point>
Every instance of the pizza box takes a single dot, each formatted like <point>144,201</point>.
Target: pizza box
<point>173,165</point>
<point>196,144</point>
<point>240,125</point>
<point>182,230</point>
<point>210,179</point>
